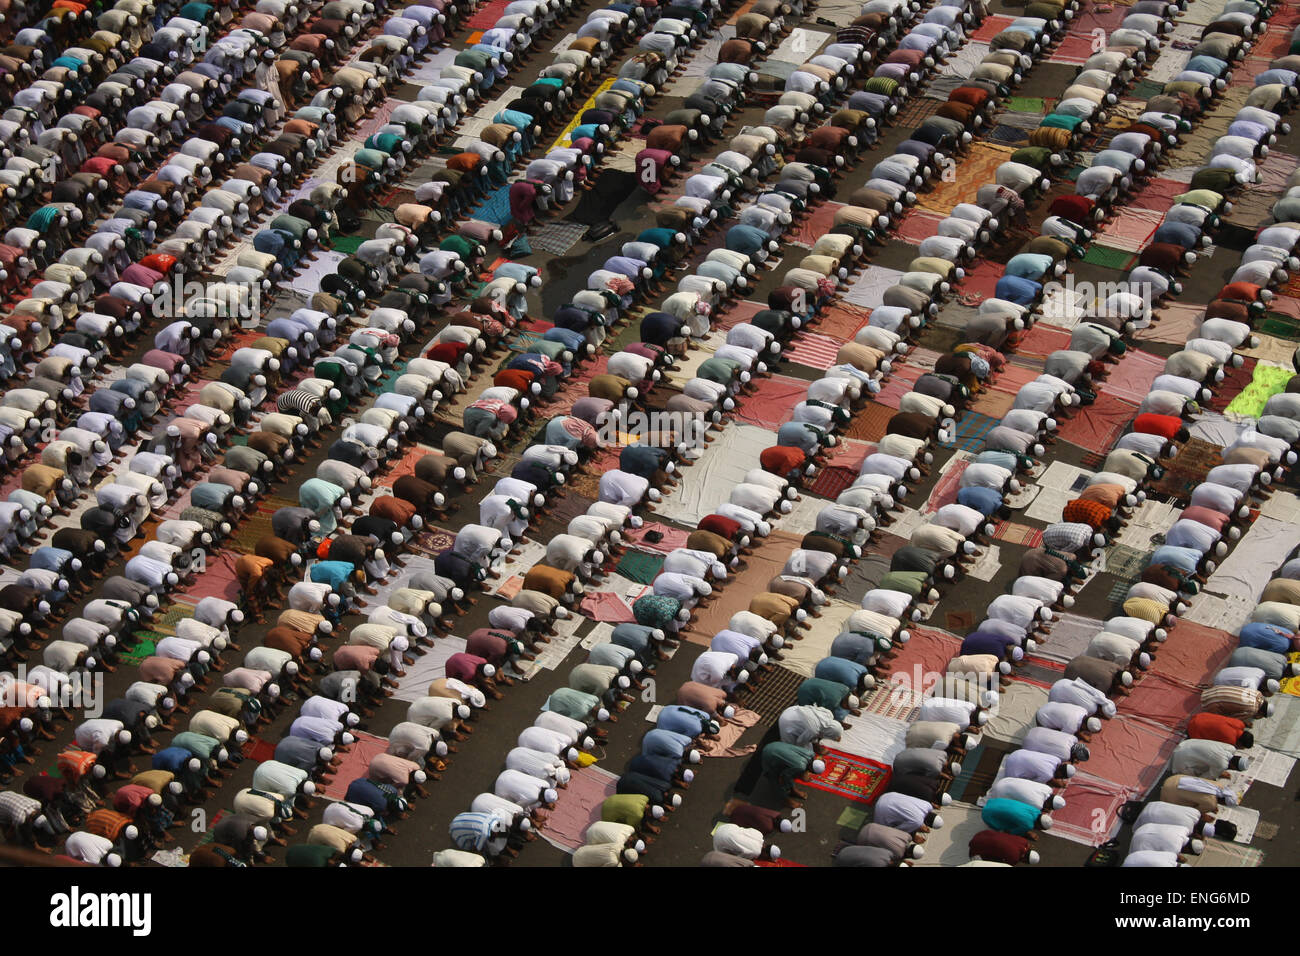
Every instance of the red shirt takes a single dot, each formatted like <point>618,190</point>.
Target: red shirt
<point>781,459</point>
<point>998,847</point>
<point>1227,730</point>
<point>1166,426</point>
<point>464,667</point>
<point>727,528</point>
<point>1074,208</point>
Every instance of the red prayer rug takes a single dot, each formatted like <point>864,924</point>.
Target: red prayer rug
<point>854,778</point>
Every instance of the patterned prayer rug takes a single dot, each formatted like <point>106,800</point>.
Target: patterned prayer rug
<point>854,778</point>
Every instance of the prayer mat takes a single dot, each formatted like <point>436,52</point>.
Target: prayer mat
<point>1281,732</point>
<point>991,27</point>
<point>435,540</point>
<point>959,620</point>
<point>947,485</point>
<point>978,167</point>
<point>814,646</point>
<point>1013,533</point>
<point>1130,379</point>
<point>347,244</point>
<point>854,778</point>
<point>775,694</point>
<point>950,846</point>
<point>914,111</point>
<point>1071,635</point>
<point>427,668</point>
<point>1129,231</point>
<point>736,314</point>
<point>1131,752</point>
<point>1013,715</point>
<point>771,403</point>
<point>258,750</point>
<point>144,647</point>
<point>732,731</point>
<point>831,481</point>
<point>1188,469</point>
<point>252,529</point>
<point>556,238</point>
<point>1025,104</point>
<point>1161,699</point>
<point>806,231</point>
<point>1280,325</point>
<point>813,350</point>
<point>979,768</point>
<point>1015,375</point>
<point>892,700</point>
<point>1271,348</point>
<point>1044,672</point>
<point>1042,340</point>
<point>918,224</point>
<point>925,655</point>
<point>852,818</point>
<point>1235,381</point>
<point>640,566</point>
<point>1176,324</point>
<point>1125,562</point>
<point>1218,853</point>
<point>898,384</point>
<point>781,862</point>
<point>578,807</point>
<point>970,431</point>
<point>1157,194</point>
<point>606,607</point>
<point>842,321</point>
<point>982,279</point>
<point>355,764</point>
<point>708,482</point>
<point>1268,380</point>
<point>1097,426</point>
<point>1091,811</point>
<point>496,207</point>
<point>673,538</point>
<point>1193,655</point>
<point>166,621</point>
<point>583,483</point>
<point>486,16</point>
<point>992,404</point>
<point>218,580</point>
<point>1073,50</point>
<point>869,422</point>
<point>1005,135</point>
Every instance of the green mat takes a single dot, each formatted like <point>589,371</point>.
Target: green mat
<point>852,818</point>
<point>640,566</point>
<point>1145,89</point>
<point>347,244</point>
<point>147,642</point>
<point>1108,257</point>
<point>1026,104</point>
<point>1280,326</point>
<point>1268,381</point>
